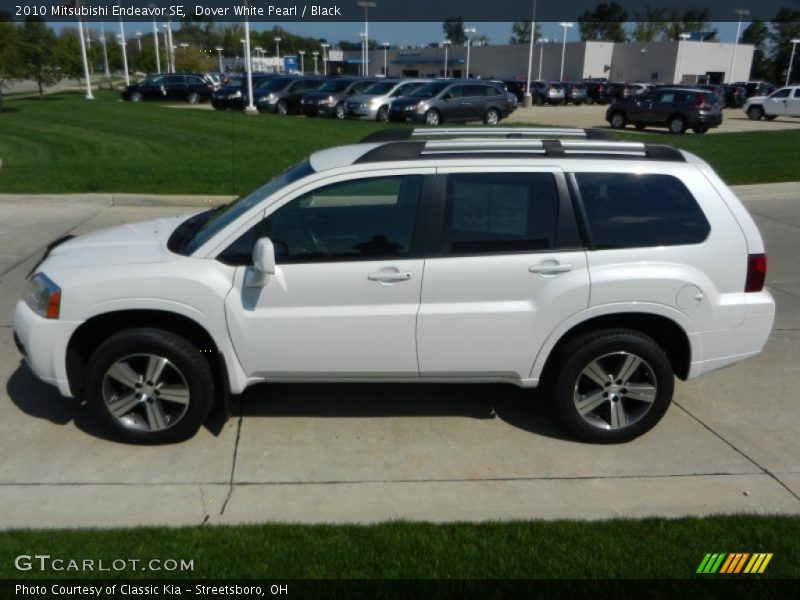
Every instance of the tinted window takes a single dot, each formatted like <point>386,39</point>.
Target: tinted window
<point>337,85</point>
<point>157,80</point>
<point>784,93</point>
<point>489,213</point>
<point>367,219</point>
<point>378,89</point>
<point>626,210</point>
<point>175,79</point>
<point>278,83</point>
<point>476,90</point>
<point>796,93</point>
<point>457,91</point>
<point>195,81</point>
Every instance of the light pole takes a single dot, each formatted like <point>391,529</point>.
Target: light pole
<point>363,68</point>
<point>541,43</point>
<point>564,48</point>
<point>446,44</point>
<point>155,42</point>
<point>139,40</point>
<point>105,51</point>
<point>366,5</point>
<point>315,54</point>
<point>219,50</point>
<point>124,44</point>
<point>170,47</point>
<point>250,109</point>
<point>278,52</point>
<point>528,96</point>
<point>325,58</point>
<point>302,54</point>
<point>683,37</point>
<point>89,95</point>
<point>468,31</point>
<point>385,47</point>
<point>794,43</point>
<point>742,12</point>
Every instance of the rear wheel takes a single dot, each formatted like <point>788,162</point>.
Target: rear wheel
<point>339,111</point>
<point>755,113</point>
<point>383,114</point>
<point>589,100</point>
<point>193,98</point>
<point>539,101</point>
<point>282,108</point>
<point>137,97</point>
<point>492,117</point>
<point>618,120</point>
<point>150,386</point>
<point>432,117</point>
<point>612,385</point>
<point>677,124</point>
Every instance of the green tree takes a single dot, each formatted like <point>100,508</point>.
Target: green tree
<point>453,28</point>
<point>650,25</point>
<point>604,23</point>
<point>193,59</point>
<point>757,33</point>
<point>37,45</point>
<point>693,20</point>
<point>785,27</point>
<point>68,53</point>
<point>10,56</point>
<point>521,32</point>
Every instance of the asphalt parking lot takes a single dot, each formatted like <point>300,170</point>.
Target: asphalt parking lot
<point>359,453</point>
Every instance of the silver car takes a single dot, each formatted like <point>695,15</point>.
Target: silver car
<point>373,104</point>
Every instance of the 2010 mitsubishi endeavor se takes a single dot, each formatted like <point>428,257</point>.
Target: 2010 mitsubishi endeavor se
<point>596,269</point>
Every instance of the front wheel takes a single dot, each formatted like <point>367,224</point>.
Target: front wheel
<point>339,111</point>
<point>150,386</point>
<point>193,98</point>
<point>618,120</point>
<point>137,97</point>
<point>755,113</point>
<point>677,125</point>
<point>492,117</point>
<point>612,385</point>
<point>432,117</point>
<point>282,108</point>
<point>589,100</point>
<point>383,115</point>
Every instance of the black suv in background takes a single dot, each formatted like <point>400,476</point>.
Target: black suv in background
<point>675,108</point>
<point>328,101</point>
<point>282,95</point>
<point>442,101</point>
<point>735,95</point>
<point>597,91</point>
<point>186,87</point>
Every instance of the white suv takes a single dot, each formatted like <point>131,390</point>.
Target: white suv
<point>597,269</point>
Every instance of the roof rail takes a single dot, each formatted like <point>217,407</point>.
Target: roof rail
<point>397,135</point>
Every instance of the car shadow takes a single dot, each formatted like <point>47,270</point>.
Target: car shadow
<point>524,409</point>
<point>42,401</point>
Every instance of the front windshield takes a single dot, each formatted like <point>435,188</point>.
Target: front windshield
<point>428,90</point>
<point>334,86</point>
<point>379,89</point>
<point>278,83</point>
<point>197,230</point>
<point>236,81</point>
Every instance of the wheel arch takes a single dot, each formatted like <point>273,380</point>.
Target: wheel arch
<point>666,332</point>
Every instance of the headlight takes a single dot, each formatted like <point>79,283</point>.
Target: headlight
<point>414,106</point>
<point>43,296</point>
<point>236,94</point>
<point>328,100</point>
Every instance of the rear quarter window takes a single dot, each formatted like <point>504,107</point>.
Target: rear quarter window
<point>626,210</point>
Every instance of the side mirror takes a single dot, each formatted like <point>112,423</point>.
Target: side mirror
<point>263,263</point>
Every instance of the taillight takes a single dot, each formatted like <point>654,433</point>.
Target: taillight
<point>600,88</point>
<point>756,272</point>
<point>700,101</point>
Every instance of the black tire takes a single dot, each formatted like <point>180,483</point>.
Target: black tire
<point>282,108</point>
<point>338,112</point>
<point>492,117</point>
<point>432,117</point>
<point>699,130</point>
<point>562,102</point>
<point>676,124</point>
<point>186,365</point>
<point>383,115</point>
<point>539,101</point>
<point>610,349</point>
<point>755,113</point>
<point>589,100</point>
<point>137,97</point>
<point>578,102</point>
<point>618,120</point>
<point>193,98</point>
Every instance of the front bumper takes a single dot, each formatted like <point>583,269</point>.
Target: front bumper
<point>406,116</point>
<point>369,113</point>
<point>43,343</point>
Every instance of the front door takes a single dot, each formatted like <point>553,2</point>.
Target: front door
<point>510,267</point>
<point>344,300</point>
<point>777,103</point>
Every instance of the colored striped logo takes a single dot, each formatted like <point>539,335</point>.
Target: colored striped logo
<point>731,563</point>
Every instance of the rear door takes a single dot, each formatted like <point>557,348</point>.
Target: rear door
<point>504,269</point>
<point>176,87</point>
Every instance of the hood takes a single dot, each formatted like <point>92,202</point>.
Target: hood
<point>409,100</point>
<point>133,243</point>
<point>317,95</point>
<point>363,97</point>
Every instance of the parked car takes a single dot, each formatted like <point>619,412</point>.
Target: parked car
<point>757,88</point>
<point>784,102</point>
<point>597,92</point>
<point>575,92</point>
<point>676,108</point>
<point>282,95</point>
<point>447,101</point>
<point>735,95</point>
<point>328,101</point>
<point>516,87</point>
<point>373,103</point>
<point>185,87</point>
<point>719,90</point>
<point>230,95</point>
<point>548,92</point>
<point>621,90</point>
<point>513,101</point>
<point>598,271</point>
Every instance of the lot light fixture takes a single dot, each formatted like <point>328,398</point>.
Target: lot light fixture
<point>541,43</point>
<point>139,40</point>
<point>315,54</point>
<point>741,12</point>
<point>363,68</point>
<point>155,43</point>
<point>105,50</point>
<point>563,47</point>
<point>124,44</point>
<point>278,52</point>
<point>446,44</point>
<point>219,50</point>
<point>366,5</point>
<point>468,31</point>
<point>325,58</point>
<point>679,73</point>
<point>250,108</point>
<point>302,54</point>
<point>791,60</point>
<point>385,46</point>
<point>89,95</point>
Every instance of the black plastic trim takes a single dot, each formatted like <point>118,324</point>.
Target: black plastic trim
<point>662,152</point>
<point>393,152</point>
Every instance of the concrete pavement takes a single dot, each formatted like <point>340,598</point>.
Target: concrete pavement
<point>359,453</point>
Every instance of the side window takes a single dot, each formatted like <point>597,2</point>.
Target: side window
<point>475,90</point>
<point>175,80</point>
<point>796,93</point>
<point>626,210</point>
<point>491,213</point>
<point>457,91</point>
<point>366,219</point>
<point>157,80</point>
<point>784,93</point>
<point>667,97</point>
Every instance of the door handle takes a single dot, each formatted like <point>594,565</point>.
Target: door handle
<point>465,103</point>
<point>390,276</point>
<point>546,268</point>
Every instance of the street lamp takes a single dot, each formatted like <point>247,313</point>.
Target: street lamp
<point>124,44</point>
<point>683,37</point>
<point>139,40</point>
<point>563,47</point>
<point>155,42</point>
<point>541,43</point>
<point>742,12</point>
<point>219,50</point>
<point>363,68</point>
<point>89,95</point>
<point>385,47</point>
<point>366,5</point>
<point>105,50</point>
<point>325,58</point>
<point>794,43</point>
<point>302,54</point>
<point>446,44</point>
<point>315,54</point>
<point>278,52</point>
<point>467,31</point>
<point>168,47</point>
<point>528,96</point>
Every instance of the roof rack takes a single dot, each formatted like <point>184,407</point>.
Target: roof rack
<point>397,135</point>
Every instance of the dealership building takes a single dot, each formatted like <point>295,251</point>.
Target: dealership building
<point>683,61</point>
